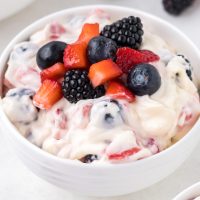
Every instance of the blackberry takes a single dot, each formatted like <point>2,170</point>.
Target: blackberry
<point>76,86</point>
<point>175,7</point>
<point>125,32</point>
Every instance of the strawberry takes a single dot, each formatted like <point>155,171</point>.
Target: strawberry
<point>75,55</point>
<point>128,58</point>
<point>123,154</point>
<point>119,91</point>
<point>88,32</point>
<point>54,72</point>
<point>48,94</point>
<point>103,71</point>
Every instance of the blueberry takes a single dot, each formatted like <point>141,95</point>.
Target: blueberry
<point>19,107</point>
<point>188,67</point>
<point>50,53</point>
<point>89,158</point>
<point>106,114</point>
<point>101,48</point>
<point>109,118</point>
<point>19,92</point>
<point>144,79</point>
<point>24,50</point>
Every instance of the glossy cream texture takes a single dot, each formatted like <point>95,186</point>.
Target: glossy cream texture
<point>101,126</point>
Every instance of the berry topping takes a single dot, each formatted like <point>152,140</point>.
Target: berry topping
<point>48,94</point>
<point>128,58</point>
<point>175,7</point>
<point>124,154</point>
<point>125,32</point>
<point>54,72</point>
<point>144,79</point>
<point>101,48</point>
<point>75,55</point>
<point>50,53</point>
<point>119,91</point>
<point>103,71</point>
<point>88,32</point>
<point>76,86</point>
<point>89,158</point>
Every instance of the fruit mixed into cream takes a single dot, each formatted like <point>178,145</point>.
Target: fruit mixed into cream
<point>94,90</point>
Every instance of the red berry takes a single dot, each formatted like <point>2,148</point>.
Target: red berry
<point>48,94</point>
<point>103,71</point>
<point>75,55</point>
<point>128,58</point>
<point>119,91</point>
<point>88,32</point>
<point>54,72</point>
<point>123,154</point>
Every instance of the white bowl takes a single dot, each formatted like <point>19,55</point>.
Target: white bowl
<point>107,179</point>
<point>11,7</point>
<point>190,193</point>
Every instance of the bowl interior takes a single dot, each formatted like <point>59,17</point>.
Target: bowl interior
<point>173,36</point>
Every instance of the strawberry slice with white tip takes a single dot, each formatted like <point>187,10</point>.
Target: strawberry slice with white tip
<point>48,94</point>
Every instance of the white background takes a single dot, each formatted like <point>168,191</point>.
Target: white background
<point>18,183</point>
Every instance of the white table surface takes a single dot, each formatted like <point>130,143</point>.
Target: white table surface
<point>18,183</point>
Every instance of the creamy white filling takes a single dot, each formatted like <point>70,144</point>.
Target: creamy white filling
<point>101,126</point>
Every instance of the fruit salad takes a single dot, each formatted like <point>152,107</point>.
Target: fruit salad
<point>92,89</point>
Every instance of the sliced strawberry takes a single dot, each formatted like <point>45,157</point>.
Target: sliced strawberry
<point>119,91</point>
<point>124,154</point>
<point>88,32</point>
<point>48,94</point>
<point>128,58</point>
<point>103,71</point>
<point>75,55</point>
<point>54,72</point>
